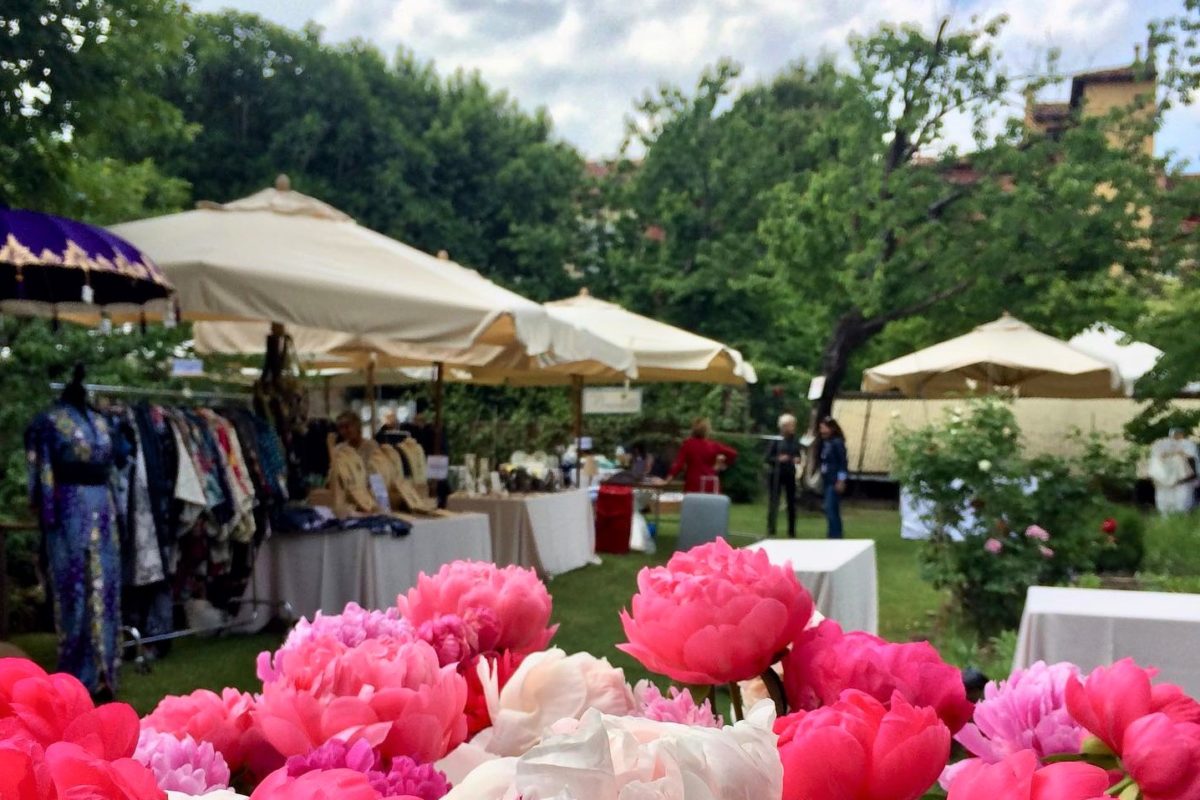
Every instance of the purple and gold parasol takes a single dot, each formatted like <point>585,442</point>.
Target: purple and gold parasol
<point>51,265</point>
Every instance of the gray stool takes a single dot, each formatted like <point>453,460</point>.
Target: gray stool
<point>703,518</point>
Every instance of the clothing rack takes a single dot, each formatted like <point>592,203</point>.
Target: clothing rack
<point>174,394</point>
<point>134,640</point>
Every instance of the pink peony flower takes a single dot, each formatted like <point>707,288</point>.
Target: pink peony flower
<point>1019,777</point>
<point>404,778</point>
<point>825,662</point>
<point>392,693</point>
<point>1163,757</point>
<point>1113,698</point>
<point>680,707</point>
<point>993,545</point>
<point>336,754</point>
<point>334,784</point>
<point>508,607</point>
<point>548,686</point>
<point>715,615</point>
<point>1028,711</point>
<point>1046,552</point>
<point>1037,532</point>
<point>621,758</point>
<point>501,668</point>
<point>352,627</point>
<point>182,765</point>
<point>407,778</point>
<point>78,773</point>
<point>24,774</point>
<point>224,721</point>
<point>858,749</point>
<point>451,637</point>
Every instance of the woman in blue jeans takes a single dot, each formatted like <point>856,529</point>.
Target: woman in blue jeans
<point>834,472</point>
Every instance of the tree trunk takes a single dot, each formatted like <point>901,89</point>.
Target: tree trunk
<point>850,333</point>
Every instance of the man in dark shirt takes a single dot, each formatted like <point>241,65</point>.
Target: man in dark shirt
<point>781,459</point>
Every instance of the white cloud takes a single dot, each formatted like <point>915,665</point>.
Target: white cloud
<point>588,60</point>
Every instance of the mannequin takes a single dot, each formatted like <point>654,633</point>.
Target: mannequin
<point>69,453</point>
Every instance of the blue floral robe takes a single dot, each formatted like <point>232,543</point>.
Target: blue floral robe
<point>70,456</point>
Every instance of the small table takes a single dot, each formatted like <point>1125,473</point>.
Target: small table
<point>839,573</point>
<point>551,533</point>
<point>1095,627</point>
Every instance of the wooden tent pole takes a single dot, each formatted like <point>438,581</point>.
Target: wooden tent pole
<point>371,394</point>
<point>439,384</point>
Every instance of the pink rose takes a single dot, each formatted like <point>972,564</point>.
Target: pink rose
<point>1019,777</point>
<point>507,607</point>
<point>223,720</point>
<point>993,545</point>
<point>858,749</point>
<point>715,615</point>
<point>1037,532</point>
<point>1163,757</point>
<point>825,662</point>
<point>1115,697</point>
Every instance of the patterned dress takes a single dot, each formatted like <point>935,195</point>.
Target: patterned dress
<point>70,457</point>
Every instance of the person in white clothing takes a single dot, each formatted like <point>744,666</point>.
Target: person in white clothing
<point>1172,468</point>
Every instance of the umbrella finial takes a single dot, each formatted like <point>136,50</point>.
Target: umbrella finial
<point>283,183</point>
<point>444,255</point>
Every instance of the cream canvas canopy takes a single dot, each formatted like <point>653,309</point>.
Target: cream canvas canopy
<point>281,256</point>
<point>1005,353</point>
<point>1132,359</point>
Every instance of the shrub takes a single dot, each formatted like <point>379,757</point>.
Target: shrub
<point>969,469</point>
<point>1122,536</point>
<point>1173,545</point>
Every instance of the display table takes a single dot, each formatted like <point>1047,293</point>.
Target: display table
<point>324,571</point>
<point>1094,627</point>
<point>839,573</point>
<point>552,533</point>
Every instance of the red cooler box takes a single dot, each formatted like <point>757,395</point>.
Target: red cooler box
<point>614,518</point>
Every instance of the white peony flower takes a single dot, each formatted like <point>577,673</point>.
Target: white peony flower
<point>984,465</point>
<point>602,757</point>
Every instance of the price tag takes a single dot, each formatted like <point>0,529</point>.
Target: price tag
<point>437,468</point>
<point>379,489</point>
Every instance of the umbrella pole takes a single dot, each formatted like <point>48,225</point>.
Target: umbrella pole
<point>577,407</point>
<point>439,383</point>
<point>371,393</point>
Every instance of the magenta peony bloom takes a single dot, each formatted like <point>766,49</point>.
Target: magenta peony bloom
<point>824,662</point>
<point>680,707</point>
<point>1019,777</point>
<point>333,784</point>
<point>1028,711</point>
<point>858,749</point>
<point>352,627</point>
<point>1113,698</point>
<point>1037,532</point>
<point>78,773</point>
<point>407,778</point>
<point>714,615</point>
<point>336,754</point>
<point>1163,757</point>
<point>993,545</point>
<point>390,692</point>
<point>451,637</point>
<point>182,765</point>
<point>507,607</point>
<point>1046,551</point>
<point>222,720</point>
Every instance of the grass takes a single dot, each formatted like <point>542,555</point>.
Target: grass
<point>586,606</point>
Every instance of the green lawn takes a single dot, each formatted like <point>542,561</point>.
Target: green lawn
<point>586,605</point>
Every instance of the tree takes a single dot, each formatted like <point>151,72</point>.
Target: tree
<point>898,225</point>
<point>83,115</point>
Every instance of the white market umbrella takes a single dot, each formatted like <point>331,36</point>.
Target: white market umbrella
<point>1006,353</point>
<point>1132,360</point>
<point>281,256</point>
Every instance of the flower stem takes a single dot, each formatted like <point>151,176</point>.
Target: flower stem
<point>735,694</point>
<point>775,688</point>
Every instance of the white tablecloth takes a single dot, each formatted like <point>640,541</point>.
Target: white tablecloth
<point>839,573</point>
<point>1094,627</point>
<point>552,533</point>
<point>324,571</point>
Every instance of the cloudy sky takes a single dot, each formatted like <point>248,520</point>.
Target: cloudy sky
<point>588,60</point>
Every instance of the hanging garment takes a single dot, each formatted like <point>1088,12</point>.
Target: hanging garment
<point>403,493</point>
<point>69,453</point>
<point>189,491</point>
<point>348,479</point>
<point>414,455</point>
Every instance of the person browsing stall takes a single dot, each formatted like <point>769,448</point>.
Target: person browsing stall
<point>700,457</point>
<point>781,465</point>
<point>835,470</point>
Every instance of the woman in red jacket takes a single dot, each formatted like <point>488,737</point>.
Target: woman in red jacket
<point>700,457</point>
